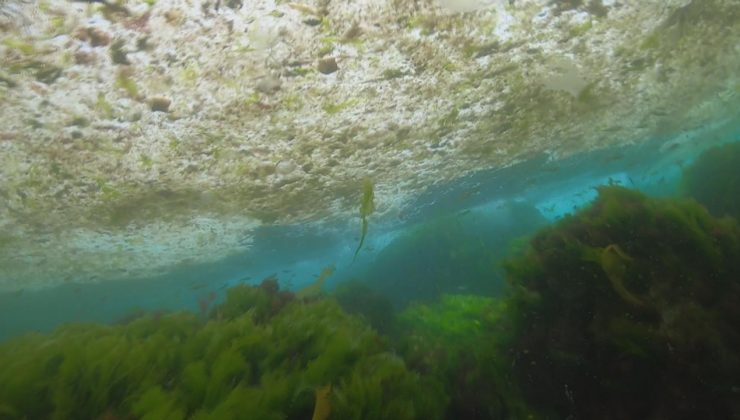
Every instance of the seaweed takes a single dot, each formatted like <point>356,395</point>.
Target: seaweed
<point>314,289</point>
<point>259,352</point>
<point>613,262</point>
<point>627,307</point>
<point>462,342</point>
<point>118,53</point>
<point>262,302</point>
<point>127,83</point>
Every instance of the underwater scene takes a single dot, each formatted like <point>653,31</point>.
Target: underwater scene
<point>369,209</point>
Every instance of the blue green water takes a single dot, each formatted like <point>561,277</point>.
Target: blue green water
<point>482,207</point>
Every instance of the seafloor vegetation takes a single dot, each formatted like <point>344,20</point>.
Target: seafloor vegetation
<point>624,310</point>
<point>629,310</point>
<point>262,354</point>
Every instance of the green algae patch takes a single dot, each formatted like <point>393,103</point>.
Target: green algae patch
<point>333,108</point>
<point>125,81</point>
<point>462,340</point>
<point>261,352</point>
<point>626,305</point>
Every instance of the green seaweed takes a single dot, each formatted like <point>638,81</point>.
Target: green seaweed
<point>462,341</point>
<point>367,206</point>
<point>48,73</point>
<point>626,305</point>
<point>260,352</point>
<point>7,80</point>
<point>335,108</point>
<point>118,54</point>
<point>156,404</point>
<point>103,106</point>
<point>127,83</point>
<point>314,289</point>
<point>613,261</point>
<point>25,48</point>
<point>393,73</point>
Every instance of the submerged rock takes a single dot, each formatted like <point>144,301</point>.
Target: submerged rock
<point>268,85</point>
<point>159,104</point>
<point>327,65</point>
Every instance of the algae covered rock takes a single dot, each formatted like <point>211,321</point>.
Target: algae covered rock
<point>261,354</point>
<point>627,310</point>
